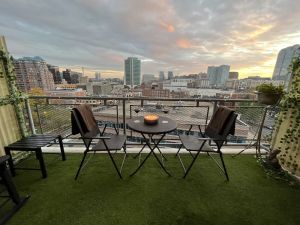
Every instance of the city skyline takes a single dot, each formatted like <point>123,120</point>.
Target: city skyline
<point>167,36</point>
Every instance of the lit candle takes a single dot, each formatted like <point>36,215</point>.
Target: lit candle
<point>151,119</point>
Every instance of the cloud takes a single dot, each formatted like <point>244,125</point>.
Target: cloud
<point>183,43</point>
<point>175,35</point>
<point>169,27</point>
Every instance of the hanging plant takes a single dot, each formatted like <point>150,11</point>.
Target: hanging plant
<point>15,97</point>
<point>269,94</point>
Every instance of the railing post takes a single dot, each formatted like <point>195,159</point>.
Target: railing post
<point>29,113</point>
<point>258,153</point>
<point>39,118</point>
<point>124,116</point>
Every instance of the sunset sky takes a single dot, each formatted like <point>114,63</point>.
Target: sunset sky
<point>181,36</point>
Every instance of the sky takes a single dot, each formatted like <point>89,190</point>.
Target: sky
<point>181,36</point>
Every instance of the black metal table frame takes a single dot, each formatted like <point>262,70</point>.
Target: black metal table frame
<point>152,145</point>
<point>153,140</point>
<point>155,146</point>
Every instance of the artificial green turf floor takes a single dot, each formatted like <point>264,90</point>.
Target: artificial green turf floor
<point>153,198</point>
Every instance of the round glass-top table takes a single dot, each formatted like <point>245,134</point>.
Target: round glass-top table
<point>164,126</point>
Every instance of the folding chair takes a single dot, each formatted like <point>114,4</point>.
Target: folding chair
<point>220,126</point>
<point>84,122</point>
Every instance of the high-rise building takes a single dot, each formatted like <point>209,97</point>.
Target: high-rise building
<point>55,73</point>
<point>72,77</point>
<point>284,59</point>
<point>97,76</point>
<point>67,75</point>
<point>170,75</point>
<point>32,72</point>
<point>218,75</point>
<point>161,75</point>
<point>75,77</point>
<point>132,73</point>
<point>211,74</point>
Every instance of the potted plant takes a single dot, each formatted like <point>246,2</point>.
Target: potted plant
<point>269,94</point>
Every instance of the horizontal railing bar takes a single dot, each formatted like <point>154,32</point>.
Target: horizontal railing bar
<point>145,98</point>
<point>171,143</point>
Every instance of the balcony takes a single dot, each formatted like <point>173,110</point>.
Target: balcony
<point>51,115</point>
<point>151,197</point>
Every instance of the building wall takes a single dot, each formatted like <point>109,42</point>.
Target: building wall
<point>32,73</point>
<point>156,93</point>
<point>9,128</point>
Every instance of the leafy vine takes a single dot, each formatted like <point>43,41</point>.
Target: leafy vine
<point>15,97</point>
<point>290,115</point>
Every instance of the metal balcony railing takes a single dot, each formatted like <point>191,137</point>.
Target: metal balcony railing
<point>47,114</point>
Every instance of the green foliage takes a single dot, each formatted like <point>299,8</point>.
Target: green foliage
<point>270,89</point>
<point>290,113</point>
<point>15,96</point>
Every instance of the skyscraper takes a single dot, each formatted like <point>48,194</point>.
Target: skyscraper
<point>97,76</point>
<point>218,75</point>
<point>170,75</point>
<point>211,74</point>
<point>132,73</point>
<point>55,73</point>
<point>161,75</point>
<point>67,75</point>
<point>284,59</point>
<point>33,72</point>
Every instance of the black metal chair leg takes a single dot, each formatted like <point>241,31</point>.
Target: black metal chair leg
<point>124,148</point>
<point>123,161</point>
<point>192,163</point>
<point>225,171</point>
<point>115,165</point>
<point>81,163</point>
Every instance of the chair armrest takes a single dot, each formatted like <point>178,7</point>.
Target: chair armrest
<point>193,124</point>
<point>211,139</point>
<point>204,139</point>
